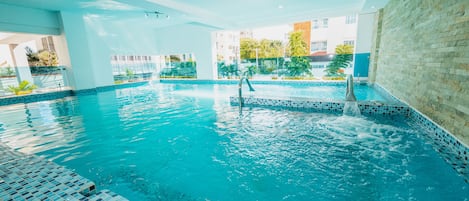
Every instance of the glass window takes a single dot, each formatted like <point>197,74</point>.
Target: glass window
<point>352,19</point>
<point>315,24</point>
<point>318,46</point>
<point>349,42</point>
<point>325,23</point>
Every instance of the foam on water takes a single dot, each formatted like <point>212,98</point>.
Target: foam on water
<point>351,108</point>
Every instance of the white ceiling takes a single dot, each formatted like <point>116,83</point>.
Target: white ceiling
<point>221,14</point>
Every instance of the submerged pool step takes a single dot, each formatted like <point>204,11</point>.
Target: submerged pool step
<point>312,105</point>
<point>29,177</point>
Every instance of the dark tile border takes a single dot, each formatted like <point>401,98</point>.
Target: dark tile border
<point>455,152</point>
<point>35,97</point>
<point>108,88</point>
<point>367,108</point>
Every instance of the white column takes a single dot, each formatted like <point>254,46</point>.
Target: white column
<point>174,40</point>
<point>20,60</point>
<point>61,50</point>
<point>207,59</point>
<point>89,56</point>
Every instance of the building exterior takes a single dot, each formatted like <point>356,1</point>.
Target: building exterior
<point>323,35</point>
<point>304,27</point>
<point>246,34</point>
<point>227,46</point>
<point>327,33</point>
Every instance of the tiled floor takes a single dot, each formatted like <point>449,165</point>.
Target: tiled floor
<point>29,177</point>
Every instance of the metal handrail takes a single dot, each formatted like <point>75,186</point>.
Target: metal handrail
<point>240,90</point>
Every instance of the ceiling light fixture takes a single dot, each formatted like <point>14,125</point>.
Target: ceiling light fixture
<point>156,13</point>
<point>280,6</point>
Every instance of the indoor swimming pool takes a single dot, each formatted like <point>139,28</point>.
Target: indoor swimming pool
<point>186,142</point>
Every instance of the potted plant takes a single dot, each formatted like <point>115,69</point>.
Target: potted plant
<point>130,75</point>
<point>23,88</point>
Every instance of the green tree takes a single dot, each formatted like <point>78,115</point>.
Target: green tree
<point>248,48</point>
<point>342,59</point>
<point>174,58</point>
<point>270,48</point>
<point>265,48</point>
<point>228,71</point>
<point>300,63</point>
<point>33,58</point>
<point>297,45</point>
<point>251,70</point>
<point>47,58</point>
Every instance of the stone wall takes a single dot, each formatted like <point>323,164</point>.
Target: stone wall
<point>375,44</point>
<point>423,59</point>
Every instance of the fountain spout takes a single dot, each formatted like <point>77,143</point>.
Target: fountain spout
<point>350,95</point>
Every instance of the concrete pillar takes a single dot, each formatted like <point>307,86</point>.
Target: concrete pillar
<point>61,50</point>
<point>20,61</point>
<point>363,45</point>
<point>207,60</point>
<point>89,57</point>
<point>174,40</point>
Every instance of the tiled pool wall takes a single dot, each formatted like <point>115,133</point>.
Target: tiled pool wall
<point>451,149</point>
<point>62,94</point>
<point>35,97</point>
<point>329,106</point>
<point>29,177</point>
<point>108,88</point>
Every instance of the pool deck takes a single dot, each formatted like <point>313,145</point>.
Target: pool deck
<point>29,177</point>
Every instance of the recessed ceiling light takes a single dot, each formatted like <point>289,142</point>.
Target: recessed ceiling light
<point>373,7</point>
<point>280,6</point>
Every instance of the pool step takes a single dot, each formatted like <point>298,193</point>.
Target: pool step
<point>29,177</point>
<point>314,105</point>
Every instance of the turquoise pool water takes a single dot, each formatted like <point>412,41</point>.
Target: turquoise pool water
<point>327,92</point>
<point>334,92</point>
<point>185,142</point>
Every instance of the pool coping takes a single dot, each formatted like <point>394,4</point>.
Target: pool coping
<point>52,95</point>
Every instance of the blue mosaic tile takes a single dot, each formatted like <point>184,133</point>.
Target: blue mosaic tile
<point>130,84</point>
<point>93,91</point>
<point>34,97</point>
<point>28,177</point>
<point>106,195</point>
<point>450,148</point>
<point>330,106</point>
